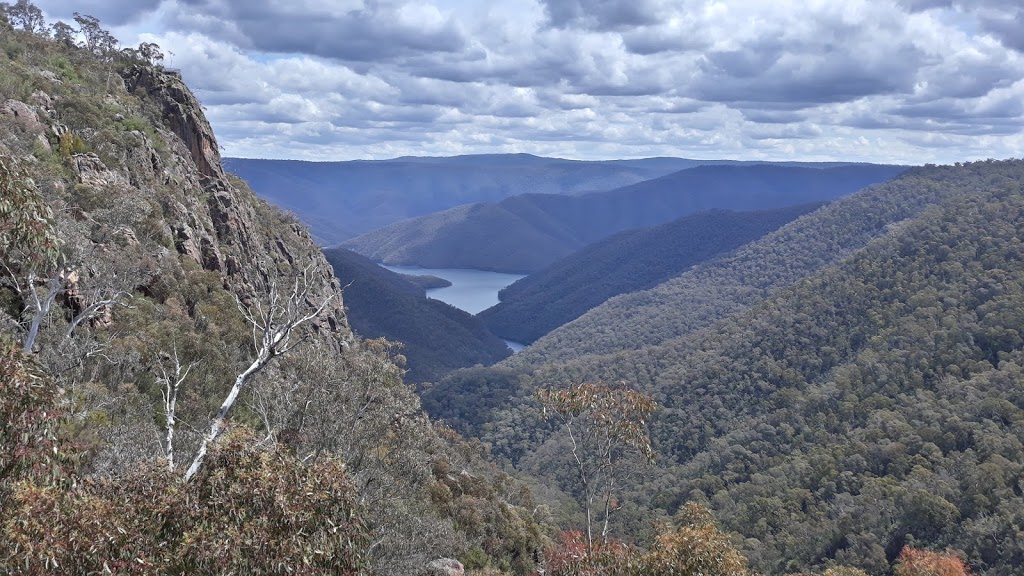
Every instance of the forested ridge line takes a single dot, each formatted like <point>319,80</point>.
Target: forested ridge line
<point>627,262</point>
<point>526,232</point>
<point>717,288</point>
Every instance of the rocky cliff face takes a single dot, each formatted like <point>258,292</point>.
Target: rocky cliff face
<point>222,225</point>
<point>147,164</point>
<point>181,112</point>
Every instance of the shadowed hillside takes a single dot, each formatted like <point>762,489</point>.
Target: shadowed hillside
<point>437,337</point>
<point>627,262</point>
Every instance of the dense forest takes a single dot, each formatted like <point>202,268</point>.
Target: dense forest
<point>526,232</point>
<point>627,262</point>
<point>731,283</point>
<point>873,403</point>
<point>436,337</point>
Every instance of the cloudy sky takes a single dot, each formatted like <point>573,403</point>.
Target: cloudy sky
<point>908,81</point>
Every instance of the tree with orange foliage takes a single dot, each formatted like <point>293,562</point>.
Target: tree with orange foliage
<point>914,562</point>
<point>605,425</point>
<point>695,548</point>
<point>572,555</point>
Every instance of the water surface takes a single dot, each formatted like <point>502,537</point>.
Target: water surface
<point>472,290</point>
<point>515,347</point>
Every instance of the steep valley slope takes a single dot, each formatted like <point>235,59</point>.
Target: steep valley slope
<point>729,284</point>
<point>845,386</point>
<point>437,337</point>
<point>626,262</point>
<point>140,281</point>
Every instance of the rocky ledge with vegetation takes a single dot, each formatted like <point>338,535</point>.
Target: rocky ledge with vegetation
<point>180,391</point>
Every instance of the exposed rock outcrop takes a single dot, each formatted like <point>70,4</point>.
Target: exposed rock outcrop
<point>218,222</point>
<point>43,101</point>
<point>445,567</point>
<point>182,113</point>
<point>91,171</point>
<point>19,114</point>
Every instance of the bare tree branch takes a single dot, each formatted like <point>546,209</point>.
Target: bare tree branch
<point>172,382</point>
<point>91,310</point>
<point>273,328</point>
<point>38,308</point>
<point>41,308</point>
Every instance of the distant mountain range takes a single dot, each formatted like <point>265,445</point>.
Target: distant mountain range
<point>527,232</point>
<point>437,337</point>
<point>340,200</point>
<point>626,262</point>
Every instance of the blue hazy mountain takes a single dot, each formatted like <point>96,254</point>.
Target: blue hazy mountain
<point>340,200</point>
<point>626,262</point>
<point>527,232</point>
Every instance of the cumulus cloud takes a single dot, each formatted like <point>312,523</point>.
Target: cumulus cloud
<point>112,12</point>
<point>1003,19</point>
<point>601,14</point>
<point>886,80</point>
<point>348,30</point>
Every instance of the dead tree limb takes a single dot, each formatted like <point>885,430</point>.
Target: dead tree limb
<point>273,322</point>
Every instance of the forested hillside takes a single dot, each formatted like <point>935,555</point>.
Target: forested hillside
<point>726,285</point>
<point>180,391</point>
<point>626,262</point>
<point>525,233</point>
<point>873,403</point>
<point>437,337</point>
<point>340,200</point>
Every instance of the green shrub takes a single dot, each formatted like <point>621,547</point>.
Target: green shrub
<point>64,69</point>
<point>475,558</point>
<point>14,85</point>
<point>137,123</point>
<point>83,111</point>
<point>13,50</point>
<point>71,144</point>
<point>88,198</point>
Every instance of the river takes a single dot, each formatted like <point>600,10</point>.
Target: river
<point>472,290</point>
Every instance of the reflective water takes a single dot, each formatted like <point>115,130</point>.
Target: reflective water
<point>514,346</point>
<point>472,290</point>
